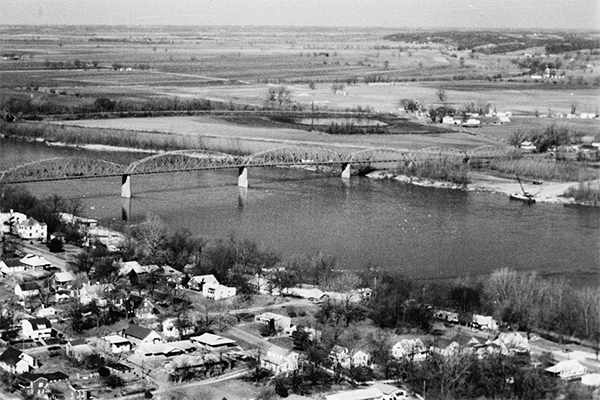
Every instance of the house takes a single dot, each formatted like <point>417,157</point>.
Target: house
<point>213,342</point>
<point>217,291</point>
<point>280,322</point>
<point>514,342</point>
<point>114,344</point>
<point>312,294</point>
<point>12,266</point>
<point>83,222</point>
<point>389,392</point>
<point>471,122</point>
<point>78,349</point>
<point>170,329</point>
<point>63,295</point>
<point>446,316</point>
<point>62,280</point>
<point>484,322</point>
<point>34,262</point>
<point>410,348</point>
<point>353,296</point>
<point>32,229</point>
<point>138,334</point>
<point>198,282</point>
<point>76,392</point>
<point>25,290</point>
<point>34,385</point>
<point>145,310</point>
<point>10,220</point>
<point>139,307</point>
<point>97,292</point>
<point>36,328</point>
<point>339,355</point>
<point>527,146</point>
<point>17,362</point>
<point>47,312</point>
<point>370,393</point>
<point>170,349</point>
<point>279,360</point>
<point>360,359</point>
<point>568,370</point>
<point>449,120</point>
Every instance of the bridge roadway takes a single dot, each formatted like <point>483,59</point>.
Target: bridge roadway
<point>57,169</point>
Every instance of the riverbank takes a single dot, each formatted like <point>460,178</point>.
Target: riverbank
<point>545,192</point>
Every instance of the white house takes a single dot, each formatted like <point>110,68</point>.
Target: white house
<point>280,360</point>
<point>471,122</point>
<point>217,291</point>
<point>62,280</point>
<point>171,331</point>
<point>514,342</point>
<point>213,342</point>
<point>89,293</point>
<point>12,266</point>
<point>198,282</point>
<point>484,322</point>
<point>25,290</point>
<point>114,344</point>
<point>281,322</point>
<point>370,393</point>
<point>36,328</point>
<point>32,229</point>
<point>17,362</point>
<point>568,369</point>
<point>312,294</point>
<point>410,348</point>
<point>34,262</point>
<point>390,392</point>
<point>11,220</point>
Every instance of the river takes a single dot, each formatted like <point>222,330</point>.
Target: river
<point>424,232</point>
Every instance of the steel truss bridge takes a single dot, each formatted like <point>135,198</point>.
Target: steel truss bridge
<point>56,169</point>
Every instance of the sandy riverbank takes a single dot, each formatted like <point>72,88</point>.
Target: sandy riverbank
<point>546,192</point>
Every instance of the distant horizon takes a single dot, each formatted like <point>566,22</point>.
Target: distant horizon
<point>549,15</point>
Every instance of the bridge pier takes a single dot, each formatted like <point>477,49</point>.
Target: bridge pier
<point>243,177</point>
<point>126,186</point>
<point>346,171</point>
<point>126,209</point>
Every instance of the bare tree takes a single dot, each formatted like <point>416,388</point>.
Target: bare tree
<point>441,94</point>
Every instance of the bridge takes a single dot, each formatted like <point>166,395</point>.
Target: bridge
<point>57,169</point>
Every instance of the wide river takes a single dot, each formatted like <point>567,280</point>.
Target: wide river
<point>423,232</point>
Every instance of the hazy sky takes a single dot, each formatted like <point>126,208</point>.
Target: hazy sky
<point>551,14</point>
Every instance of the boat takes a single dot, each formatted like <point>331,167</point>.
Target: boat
<point>525,197</point>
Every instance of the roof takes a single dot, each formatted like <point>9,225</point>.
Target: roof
<point>11,356</point>
<point>63,277</point>
<point>29,222</point>
<point>13,263</point>
<point>115,339</point>
<point>51,377</point>
<point>204,279</point>
<point>566,366</point>
<point>28,286</point>
<point>97,288</point>
<point>271,315</point>
<point>36,323</point>
<point>34,260</point>
<point>385,389</point>
<point>360,394</point>
<point>136,331</point>
<point>167,348</point>
<point>213,340</point>
<point>279,350</point>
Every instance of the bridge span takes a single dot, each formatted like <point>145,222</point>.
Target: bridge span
<point>57,169</point>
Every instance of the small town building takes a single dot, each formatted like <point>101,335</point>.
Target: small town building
<point>34,385</point>
<point>62,280</point>
<point>390,392</point>
<point>17,362</point>
<point>279,360</point>
<point>36,328</point>
<point>568,370</point>
<point>12,266</point>
<point>312,294</point>
<point>217,291</point>
<point>169,349</point>
<point>78,349</point>
<point>138,334</point>
<point>26,290</point>
<point>171,331</point>
<point>409,348</point>
<point>484,322</point>
<point>213,342</point>
<point>32,229</point>
<point>198,282</point>
<point>279,322</point>
<point>114,344</point>
<point>33,262</point>
<point>76,392</point>
<point>358,394</point>
<point>145,310</point>
<point>97,293</point>
<point>10,220</point>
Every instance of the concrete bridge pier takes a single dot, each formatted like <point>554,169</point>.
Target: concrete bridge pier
<point>243,177</point>
<point>126,186</point>
<point>126,209</point>
<point>345,171</point>
<point>242,197</point>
